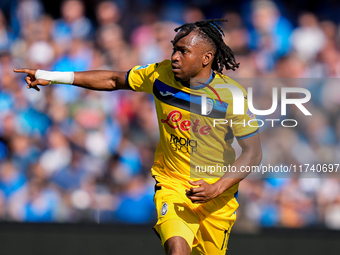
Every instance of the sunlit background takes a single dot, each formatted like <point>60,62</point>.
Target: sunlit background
<point>72,155</point>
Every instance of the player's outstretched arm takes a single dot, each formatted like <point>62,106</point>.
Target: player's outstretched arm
<point>94,80</point>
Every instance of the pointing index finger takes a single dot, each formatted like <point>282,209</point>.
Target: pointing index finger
<point>24,70</point>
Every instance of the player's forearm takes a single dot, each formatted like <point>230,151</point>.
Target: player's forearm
<point>229,179</point>
<point>100,80</point>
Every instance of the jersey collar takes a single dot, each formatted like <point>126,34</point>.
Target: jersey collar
<point>212,76</point>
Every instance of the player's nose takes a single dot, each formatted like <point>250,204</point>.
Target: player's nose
<point>175,56</point>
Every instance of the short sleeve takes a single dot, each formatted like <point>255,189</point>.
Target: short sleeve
<point>141,78</point>
<point>243,125</point>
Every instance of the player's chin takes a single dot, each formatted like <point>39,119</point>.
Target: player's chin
<point>177,75</point>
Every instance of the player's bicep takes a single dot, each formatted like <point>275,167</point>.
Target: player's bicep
<point>251,146</point>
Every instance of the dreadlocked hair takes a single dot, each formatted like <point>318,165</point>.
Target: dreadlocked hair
<point>212,33</point>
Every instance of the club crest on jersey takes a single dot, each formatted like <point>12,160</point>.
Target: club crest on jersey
<point>164,209</point>
<point>210,105</point>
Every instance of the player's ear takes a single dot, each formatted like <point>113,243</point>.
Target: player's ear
<point>207,58</point>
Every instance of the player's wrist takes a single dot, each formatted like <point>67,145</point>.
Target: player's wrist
<point>55,77</point>
<point>218,188</point>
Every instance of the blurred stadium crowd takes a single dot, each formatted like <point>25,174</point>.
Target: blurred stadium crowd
<point>72,155</point>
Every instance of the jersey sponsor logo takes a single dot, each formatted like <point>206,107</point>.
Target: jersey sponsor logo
<point>174,120</point>
<point>182,144</point>
<point>167,93</point>
<point>164,209</point>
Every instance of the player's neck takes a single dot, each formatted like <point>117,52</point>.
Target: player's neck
<point>199,80</point>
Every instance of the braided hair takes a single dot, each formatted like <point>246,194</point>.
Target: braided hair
<point>211,33</point>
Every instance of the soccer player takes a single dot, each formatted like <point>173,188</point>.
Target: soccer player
<point>195,206</point>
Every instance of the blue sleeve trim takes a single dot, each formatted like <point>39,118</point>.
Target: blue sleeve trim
<point>236,195</point>
<point>247,136</point>
<point>127,80</point>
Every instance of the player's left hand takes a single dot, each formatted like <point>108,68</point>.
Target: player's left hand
<point>203,193</point>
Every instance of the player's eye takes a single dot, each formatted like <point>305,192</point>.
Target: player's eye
<point>183,51</point>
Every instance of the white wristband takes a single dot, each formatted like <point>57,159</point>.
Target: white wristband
<point>55,77</point>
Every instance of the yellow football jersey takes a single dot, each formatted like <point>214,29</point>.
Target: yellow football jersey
<point>192,145</point>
